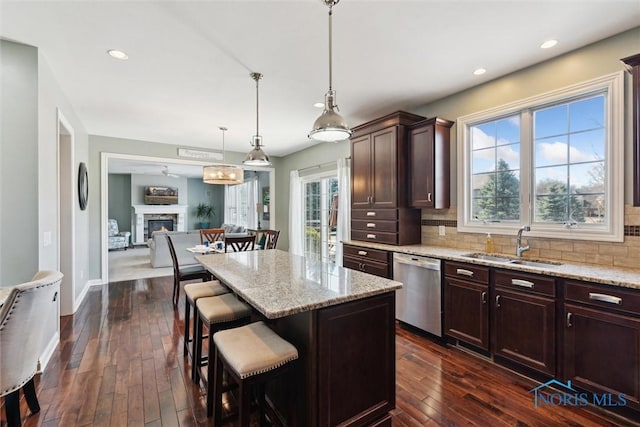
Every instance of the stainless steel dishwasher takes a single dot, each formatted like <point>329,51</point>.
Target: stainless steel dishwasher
<point>419,302</point>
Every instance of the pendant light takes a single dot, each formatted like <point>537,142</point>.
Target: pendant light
<point>257,156</point>
<point>222,173</point>
<point>330,126</point>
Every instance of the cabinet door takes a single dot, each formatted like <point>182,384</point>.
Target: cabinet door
<point>466,313</point>
<point>421,167</point>
<point>384,181</point>
<point>602,352</point>
<point>361,172</point>
<point>524,329</point>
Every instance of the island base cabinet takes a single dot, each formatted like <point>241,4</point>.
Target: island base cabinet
<point>466,313</point>
<point>524,330</point>
<point>602,353</point>
<point>356,360</point>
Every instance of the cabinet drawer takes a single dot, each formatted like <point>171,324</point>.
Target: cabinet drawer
<point>375,236</point>
<point>386,214</point>
<point>374,225</point>
<point>467,271</point>
<point>366,253</point>
<point>371,267</point>
<point>525,282</point>
<point>603,296</point>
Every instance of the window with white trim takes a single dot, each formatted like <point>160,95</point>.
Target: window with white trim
<point>553,162</point>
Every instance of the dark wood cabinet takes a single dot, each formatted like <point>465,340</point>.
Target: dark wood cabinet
<point>524,320</point>
<point>633,63</point>
<point>466,297</point>
<point>379,181</point>
<point>602,340</point>
<point>363,392</point>
<point>372,261</point>
<point>429,163</point>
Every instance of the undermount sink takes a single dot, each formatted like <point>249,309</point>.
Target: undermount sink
<point>508,260</point>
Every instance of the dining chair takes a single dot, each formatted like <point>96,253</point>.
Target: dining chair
<point>182,273</point>
<point>211,235</point>
<point>239,244</point>
<point>265,238</point>
<point>23,321</point>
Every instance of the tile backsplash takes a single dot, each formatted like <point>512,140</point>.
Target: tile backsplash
<point>624,254</point>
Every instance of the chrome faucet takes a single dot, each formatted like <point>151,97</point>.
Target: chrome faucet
<point>519,248</point>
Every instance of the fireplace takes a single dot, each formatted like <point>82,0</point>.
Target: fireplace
<point>144,214</point>
<point>159,225</point>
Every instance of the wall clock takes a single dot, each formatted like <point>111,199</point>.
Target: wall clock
<point>83,186</point>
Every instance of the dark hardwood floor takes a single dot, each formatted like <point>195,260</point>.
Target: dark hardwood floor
<point>120,363</point>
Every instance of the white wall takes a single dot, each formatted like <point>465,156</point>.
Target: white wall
<point>18,163</point>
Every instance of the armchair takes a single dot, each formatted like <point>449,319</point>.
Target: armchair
<point>117,239</point>
<point>22,321</point>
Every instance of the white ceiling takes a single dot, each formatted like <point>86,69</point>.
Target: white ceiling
<point>189,61</point>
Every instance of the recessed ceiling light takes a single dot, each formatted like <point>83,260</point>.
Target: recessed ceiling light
<point>319,105</point>
<point>548,44</point>
<point>479,71</point>
<point>118,54</point>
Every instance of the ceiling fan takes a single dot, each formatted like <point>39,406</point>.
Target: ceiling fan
<point>165,172</point>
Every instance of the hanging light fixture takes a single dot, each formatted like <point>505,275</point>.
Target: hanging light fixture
<point>257,156</point>
<point>222,173</point>
<point>330,126</point>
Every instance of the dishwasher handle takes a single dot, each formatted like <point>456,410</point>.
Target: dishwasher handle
<point>418,261</point>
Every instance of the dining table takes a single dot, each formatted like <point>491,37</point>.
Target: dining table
<point>341,321</point>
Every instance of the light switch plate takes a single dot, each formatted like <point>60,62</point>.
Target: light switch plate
<point>441,230</point>
<point>46,239</point>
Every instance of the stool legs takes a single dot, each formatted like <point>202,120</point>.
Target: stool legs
<point>187,338</point>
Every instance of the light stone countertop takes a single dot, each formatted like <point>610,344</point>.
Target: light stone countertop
<point>614,276</point>
<point>278,284</point>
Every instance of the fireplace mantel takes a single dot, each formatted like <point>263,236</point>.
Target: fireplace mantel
<point>140,211</point>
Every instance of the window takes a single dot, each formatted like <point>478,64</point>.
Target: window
<point>320,217</point>
<point>240,203</point>
<point>554,162</point>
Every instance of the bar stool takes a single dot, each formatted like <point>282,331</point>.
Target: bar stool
<point>216,313</point>
<point>252,355</point>
<point>193,292</point>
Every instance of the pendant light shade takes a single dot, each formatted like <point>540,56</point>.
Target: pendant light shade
<point>222,173</point>
<point>330,126</point>
<point>257,156</point>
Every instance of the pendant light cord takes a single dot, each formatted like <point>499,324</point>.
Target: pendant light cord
<point>223,129</point>
<point>330,47</point>
<point>257,77</point>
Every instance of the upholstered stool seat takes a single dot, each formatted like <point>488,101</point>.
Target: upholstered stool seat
<point>216,313</point>
<point>193,292</point>
<point>252,355</point>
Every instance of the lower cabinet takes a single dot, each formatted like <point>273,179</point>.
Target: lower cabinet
<point>524,320</point>
<point>372,261</point>
<point>466,311</point>
<point>602,342</point>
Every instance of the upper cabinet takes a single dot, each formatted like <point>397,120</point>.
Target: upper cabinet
<point>379,162</point>
<point>429,157</point>
<point>633,62</point>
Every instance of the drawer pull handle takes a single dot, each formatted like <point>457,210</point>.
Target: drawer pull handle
<point>371,236</point>
<point>605,298</point>
<point>569,324</point>
<point>363,253</point>
<point>523,283</point>
<point>484,297</point>
<point>463,272</point>
<point>428,197</point>
<point>497,301</point>
<point>371,225</point>
<point>371,214</point>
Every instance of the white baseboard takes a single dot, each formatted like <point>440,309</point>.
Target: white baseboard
<point>95,282</point>
<point>48,351</point>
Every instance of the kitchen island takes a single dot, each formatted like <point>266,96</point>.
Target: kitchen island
<point>340,320</point>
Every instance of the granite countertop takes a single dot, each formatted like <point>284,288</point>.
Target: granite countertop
<point>278,284</point>
<point>614,276</point>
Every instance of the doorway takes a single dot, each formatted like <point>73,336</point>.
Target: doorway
<point>66,215</point>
